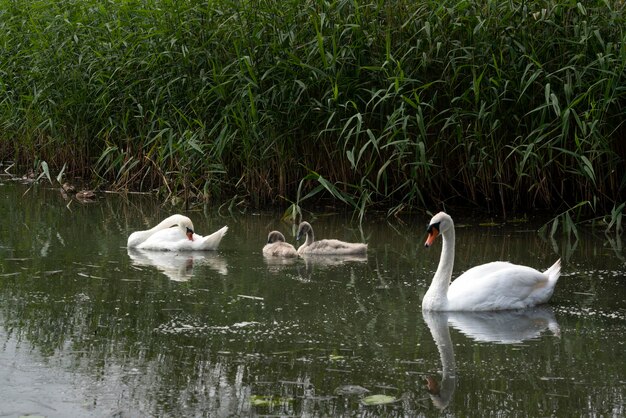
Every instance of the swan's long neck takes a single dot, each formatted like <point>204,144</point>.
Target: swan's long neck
<point>309,238</point>
<point>165,224</point>
<point>436,298</point>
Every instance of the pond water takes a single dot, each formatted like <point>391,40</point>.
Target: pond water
<point>89,328</point>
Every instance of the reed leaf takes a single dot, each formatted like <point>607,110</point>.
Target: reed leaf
<point>498,105</point>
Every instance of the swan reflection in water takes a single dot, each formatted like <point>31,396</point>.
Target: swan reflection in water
<point>178,266</point>
<point>503,327</point>
<point>276,264</point>
<point>332,260</point>
<point>314,262</point>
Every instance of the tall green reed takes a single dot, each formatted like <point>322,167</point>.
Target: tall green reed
<point>400,104</point>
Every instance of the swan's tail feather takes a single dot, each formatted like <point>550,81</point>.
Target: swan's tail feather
<point>554,272</point>
<point>211,242</point>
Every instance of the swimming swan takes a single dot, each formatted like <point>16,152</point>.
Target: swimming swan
<point>326,246</point>
<point>277,247</point>
<point>489,287</point>
<point>175,233</point>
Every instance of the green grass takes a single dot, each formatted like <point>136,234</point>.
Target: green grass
<point>396,104</point>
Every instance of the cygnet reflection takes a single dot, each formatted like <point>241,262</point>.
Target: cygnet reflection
<point>332,260</point>
<point>314,262</point>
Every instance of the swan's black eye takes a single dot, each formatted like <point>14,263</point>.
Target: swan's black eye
<point>189,230</point>
<point>433,226</point>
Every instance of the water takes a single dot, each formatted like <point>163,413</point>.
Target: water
<point>88,328</point>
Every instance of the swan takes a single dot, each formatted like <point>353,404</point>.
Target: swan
<point>277,247</point>
<point>175,233</point>
<point>489,287</point>
<point>326,246</point>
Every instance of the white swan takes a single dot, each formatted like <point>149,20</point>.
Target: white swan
<point>277,247</point>
<point>489,287</point>
<point>175,233</point>
<point>326,246</point>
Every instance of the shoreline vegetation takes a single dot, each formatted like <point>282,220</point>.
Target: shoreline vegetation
<point>503,106</point>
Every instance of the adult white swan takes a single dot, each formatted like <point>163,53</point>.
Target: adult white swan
<point>175,233</point>
<point>489,287</point>
<point>326,246</point>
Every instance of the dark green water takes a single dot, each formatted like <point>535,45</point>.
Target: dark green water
<point>88,328</point>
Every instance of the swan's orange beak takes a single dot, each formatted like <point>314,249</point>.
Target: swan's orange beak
<point>432,234</point>
<point>189,234</point>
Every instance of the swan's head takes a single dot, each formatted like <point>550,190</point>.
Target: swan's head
<point>186,225</point>
<point>439,224</point>
<point>275,236</point>
<point>303,229</point>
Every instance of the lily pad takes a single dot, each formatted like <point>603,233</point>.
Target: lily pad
<point>378,400</point>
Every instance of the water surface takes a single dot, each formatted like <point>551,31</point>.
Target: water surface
<point>90,328</point>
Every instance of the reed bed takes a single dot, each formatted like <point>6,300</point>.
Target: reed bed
<point>498,105</point>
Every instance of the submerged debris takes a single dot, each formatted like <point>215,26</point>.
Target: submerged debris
<point>348,390</point>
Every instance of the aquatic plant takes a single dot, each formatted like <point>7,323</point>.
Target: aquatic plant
<point>498,105</point>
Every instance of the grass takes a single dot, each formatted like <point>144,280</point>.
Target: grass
<point>504,106</point>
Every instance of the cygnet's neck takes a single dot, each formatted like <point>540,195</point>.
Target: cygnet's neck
<point>309,237</point>
<point>436,298</point>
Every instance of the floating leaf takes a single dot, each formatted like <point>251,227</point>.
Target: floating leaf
<point>378,400</point>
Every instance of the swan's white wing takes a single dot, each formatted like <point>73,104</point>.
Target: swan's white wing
<point>486,269</point>
<point>498,285</point>
<point>137,238</point>
<point>170,239</point>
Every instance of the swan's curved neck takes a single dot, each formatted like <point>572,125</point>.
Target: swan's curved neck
<point>309,237</point>
<point>138,237</point>
<point>436,298</point>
